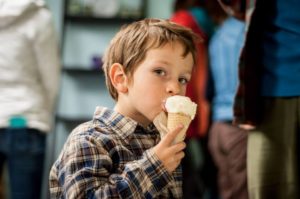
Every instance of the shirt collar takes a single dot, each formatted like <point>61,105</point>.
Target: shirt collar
<point>120,124</point>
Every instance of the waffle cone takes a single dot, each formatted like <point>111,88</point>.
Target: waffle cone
<point>174,119</point>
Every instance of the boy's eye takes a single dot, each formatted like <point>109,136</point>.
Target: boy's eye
<point>183,80</point>
<point>160,72</point>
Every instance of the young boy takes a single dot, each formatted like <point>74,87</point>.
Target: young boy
<point>119,154</point>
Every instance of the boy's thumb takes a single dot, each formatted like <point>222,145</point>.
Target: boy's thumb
<point>169,137</point>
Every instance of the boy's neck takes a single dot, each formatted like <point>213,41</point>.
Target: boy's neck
<point>128,111</point>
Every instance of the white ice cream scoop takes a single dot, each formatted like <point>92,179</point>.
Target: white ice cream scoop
<point>181,104</point>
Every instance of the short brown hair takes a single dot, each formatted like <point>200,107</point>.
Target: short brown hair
<point>131,43</point>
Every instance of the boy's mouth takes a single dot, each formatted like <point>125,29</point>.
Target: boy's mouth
<point>163,105</point>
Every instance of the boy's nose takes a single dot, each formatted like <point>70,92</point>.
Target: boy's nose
<point>173,88</point>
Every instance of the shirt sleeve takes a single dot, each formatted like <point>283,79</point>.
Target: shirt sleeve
<point>47,56</point>
<point>87,171</point>
<point>218,57</point>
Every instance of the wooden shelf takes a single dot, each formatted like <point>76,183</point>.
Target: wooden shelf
<point>102,20</point>
<point>82,71</point>
<point>74,119</point>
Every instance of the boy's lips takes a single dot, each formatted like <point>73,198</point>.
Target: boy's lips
<point>163,105</point>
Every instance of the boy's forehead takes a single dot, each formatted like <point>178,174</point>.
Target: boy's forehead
<point>168,53</point>
<point>173,45</point>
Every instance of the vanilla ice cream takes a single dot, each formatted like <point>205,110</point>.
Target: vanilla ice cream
<point>181,104</point>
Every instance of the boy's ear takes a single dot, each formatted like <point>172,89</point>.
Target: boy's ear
<point>118,77</point>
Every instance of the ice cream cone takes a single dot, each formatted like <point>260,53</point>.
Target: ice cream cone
<point>174,119</point>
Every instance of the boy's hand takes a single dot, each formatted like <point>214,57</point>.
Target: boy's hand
<point>170,154</point>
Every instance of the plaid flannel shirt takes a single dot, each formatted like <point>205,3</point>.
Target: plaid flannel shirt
<point>111,157</point>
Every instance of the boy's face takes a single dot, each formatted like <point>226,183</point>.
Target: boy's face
<point>163,73</point>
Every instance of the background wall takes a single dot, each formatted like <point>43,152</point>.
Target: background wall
<point>155,8</point>
<point>159,8</point>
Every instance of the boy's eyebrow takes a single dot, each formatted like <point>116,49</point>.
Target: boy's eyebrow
<point>189,72</point>
<point>168,63</point>
<point>162,62</point>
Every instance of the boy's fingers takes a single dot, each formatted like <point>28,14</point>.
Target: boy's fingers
<point>177,147</point>
<point>179,156</point>
<point>169,137</point>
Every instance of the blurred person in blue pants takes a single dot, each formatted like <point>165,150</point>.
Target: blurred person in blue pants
<point>29,81</point>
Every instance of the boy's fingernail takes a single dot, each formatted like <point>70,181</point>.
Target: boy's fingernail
<point>180,126</point>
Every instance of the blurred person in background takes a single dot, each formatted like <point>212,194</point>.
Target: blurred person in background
<point>198,169</point>
<point>227,143</point>
<point>2,186</point>
<point>29,82</point>
<point>267,101</point>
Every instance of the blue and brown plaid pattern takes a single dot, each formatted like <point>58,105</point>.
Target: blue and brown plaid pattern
<point>111,157</point>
